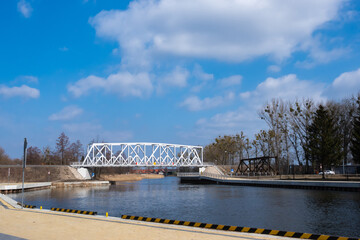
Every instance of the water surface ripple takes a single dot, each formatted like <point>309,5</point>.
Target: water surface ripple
<point>312,211</point>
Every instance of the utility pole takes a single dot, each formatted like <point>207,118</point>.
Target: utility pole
<point>23,173</point>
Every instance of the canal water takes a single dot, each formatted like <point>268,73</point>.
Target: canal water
<point>311,211</point>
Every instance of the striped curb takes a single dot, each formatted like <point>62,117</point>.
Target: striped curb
<point>239,229</point>
<point>73,211</point>
<point>27,206</point>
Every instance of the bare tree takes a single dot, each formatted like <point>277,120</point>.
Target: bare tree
<point>343,114</point>
<point>48,157</point>
<point>62,144</point>
<point>222,151</point>
<point>4,158</point>
<point>33,156</point>
<point>273,114</point>
<point>301,115</point>
<point>75,151</point>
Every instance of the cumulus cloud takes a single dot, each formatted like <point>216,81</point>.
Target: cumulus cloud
<point>123,84</point>
<point>231,81</point>
<point>224,30</point>
<point>287,87</point>
<point>346,85</point>
<point>22,91</point>
<point>194,103</point>
<point>24,8</point>
<point>201,78</point>
<point>245,118</point>
<point>241,119</point>
<point>206,129</point>
<point>66,113</point>
<point>319,55</point>
<point>201,75</point>
<point>178,77</point>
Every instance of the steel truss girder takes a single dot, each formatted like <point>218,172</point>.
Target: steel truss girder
<point>141,155</point>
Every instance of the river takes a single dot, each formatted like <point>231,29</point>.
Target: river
<point>312,211</point>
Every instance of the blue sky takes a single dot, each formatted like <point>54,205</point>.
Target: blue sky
<point>166,71</point>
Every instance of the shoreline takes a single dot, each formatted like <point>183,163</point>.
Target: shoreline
<point>129,177</point>
<point>107,180</point>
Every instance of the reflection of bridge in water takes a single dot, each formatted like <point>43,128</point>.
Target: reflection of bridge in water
<point>141,155</point>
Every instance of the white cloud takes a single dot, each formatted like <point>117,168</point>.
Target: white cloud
<point>287,87</point>
<point>245,118</point>
<point>123,84</point>
<point>22,91</point>
<point>230,30</point>
<point>242,119</point>
<point>24,8</point>
<point>27,79</point>
<point>231,81</point>
<point>201,75</point>
<point>319,55</point>
<point>178,77</point>
<point>274,68</point>
<point>206,129</point>
<point>66,113</point>
<point>201,78</point>
<point>346,85</point>
<point>194,103</point>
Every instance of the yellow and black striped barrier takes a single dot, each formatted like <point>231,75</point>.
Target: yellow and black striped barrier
<point>27,206</point>
<point>73,211</point>
<point>239,229</point>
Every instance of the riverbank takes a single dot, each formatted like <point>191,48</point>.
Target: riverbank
<point>17,187</point>
<point>58,176</point>
<point>129,177</point>
<point>38,173</point>
<point>13,188</point>
<point>209,178</point>
<point>45,224</point>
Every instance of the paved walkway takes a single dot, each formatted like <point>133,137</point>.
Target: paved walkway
<point>44,224</point>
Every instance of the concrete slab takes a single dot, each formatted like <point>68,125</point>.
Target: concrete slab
<point>17,186</point>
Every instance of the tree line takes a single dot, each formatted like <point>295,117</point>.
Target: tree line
<point>64,153</point>
<point>304,133</point>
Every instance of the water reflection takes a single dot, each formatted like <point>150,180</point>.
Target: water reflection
<point>326,212</point>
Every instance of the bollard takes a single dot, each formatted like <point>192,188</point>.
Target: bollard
<point>40,207</point>
<point>107,214</point>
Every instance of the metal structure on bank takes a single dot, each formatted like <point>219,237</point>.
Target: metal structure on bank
<point>141,155</point>
<point>258,165</point>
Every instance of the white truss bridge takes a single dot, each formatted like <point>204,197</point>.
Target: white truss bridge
<point>141,155</point>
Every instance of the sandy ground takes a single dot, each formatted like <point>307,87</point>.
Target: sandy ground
<point>44,224</point>
<point>129,177</point>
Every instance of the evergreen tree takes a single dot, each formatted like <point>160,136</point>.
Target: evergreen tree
<point>324,144</point>
<point>355,140</point>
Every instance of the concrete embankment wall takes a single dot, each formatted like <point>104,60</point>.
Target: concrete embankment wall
<point>320,185</point>
<point>38,174</point>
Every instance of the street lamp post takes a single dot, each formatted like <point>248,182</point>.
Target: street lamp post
<point>23,173</point>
